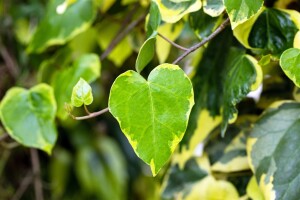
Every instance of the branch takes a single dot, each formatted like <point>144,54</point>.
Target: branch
<point>38,187</point>
<point>23,186</point>
<point>3,136</point>
<point>173,43</point>
<point>9,62</point>
<point>120,36</point>
<point>200,44</point>
<point>91,115</point>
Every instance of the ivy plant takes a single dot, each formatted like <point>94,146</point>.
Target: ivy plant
<point>185,99</point>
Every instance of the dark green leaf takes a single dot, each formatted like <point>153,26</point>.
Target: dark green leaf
<point>273,148</point>
<point>273,32</point>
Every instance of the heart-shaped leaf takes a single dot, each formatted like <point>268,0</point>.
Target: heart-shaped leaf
<point>82,94</point>
<point>290,64</point>
<point>153,113</point>
<point>28,116</point>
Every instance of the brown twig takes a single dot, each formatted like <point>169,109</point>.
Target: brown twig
<point>119,37</point>
<point>9,62</point>
<point>27,180</point>
<point>91,115</point>
<point>200,44</point>
<point>173,43</point>
<point>38,187</point>
<point>3,136</point>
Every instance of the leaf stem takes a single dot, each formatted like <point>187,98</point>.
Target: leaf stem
<point>86,109</point>
<point>91,115</point>
<point>200,44</point>
<point>173,43</point>
<point>38,187</point>
<point>119,37</point>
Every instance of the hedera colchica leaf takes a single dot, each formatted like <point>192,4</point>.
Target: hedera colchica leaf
<point>240,11</point>
<point>153,113</point>
<point>273,151</point>
<point>81,94</point>
<point>282,27</point>
<point>28,116</point>
<point>147,50</point>
<point>87,66</point>
<point>290,64</point>
<point>173,11</point>
<point>58,28</point>
<point>213,8</point>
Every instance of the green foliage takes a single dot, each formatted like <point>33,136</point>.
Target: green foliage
<point>61,23</point>
<point>87,67</point>
<point>239,141</point>
<point>28,116</point>
<point>148,120</point>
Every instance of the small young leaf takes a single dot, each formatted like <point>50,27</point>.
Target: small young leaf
<point>240,11</point>
<point>290,64</point>
<point>153,113</point>
<point>28,116</point>
<point>87,66</point>
<point>82,94</point>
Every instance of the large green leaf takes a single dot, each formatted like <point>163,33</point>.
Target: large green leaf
<point>290,64</point>
<point>240,11</point>
<point>142,108</point>
<point>172,11</point>
<point>28,116</point>
<point>273,149</point>
<point>282,27</point>
<point>58,27</point>
<point>87,67</point>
